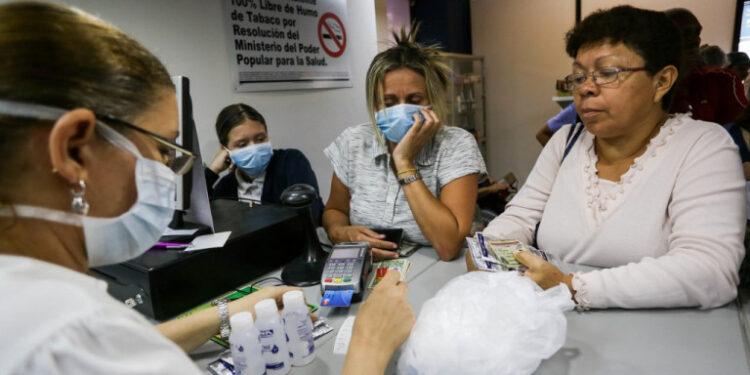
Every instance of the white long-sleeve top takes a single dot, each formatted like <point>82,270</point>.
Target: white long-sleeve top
<point>668,234</point>
<point>57,321</point>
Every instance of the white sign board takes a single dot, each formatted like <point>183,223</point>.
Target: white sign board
<point>288,44</point>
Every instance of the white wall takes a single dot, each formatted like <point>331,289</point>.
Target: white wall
<point>523,45</point>
<point>524,53</point>
<point>716,16</point>
<point>189,37</point>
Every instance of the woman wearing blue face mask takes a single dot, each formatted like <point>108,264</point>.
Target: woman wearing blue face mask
<point>259,172</point>
<point>405,170</point>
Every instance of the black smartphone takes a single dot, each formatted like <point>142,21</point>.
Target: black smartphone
<point>394,235</point>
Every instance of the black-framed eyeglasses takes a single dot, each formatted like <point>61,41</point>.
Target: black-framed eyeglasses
<point>601,76</point>
<point>178,159</point>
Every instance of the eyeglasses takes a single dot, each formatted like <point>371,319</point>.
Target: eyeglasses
<point>178,159</point>
<point>600,76</point>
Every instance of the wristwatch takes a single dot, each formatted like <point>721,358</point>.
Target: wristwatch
<point>223,318</point>
<point>410,179</point>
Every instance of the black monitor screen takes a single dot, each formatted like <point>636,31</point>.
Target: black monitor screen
<point>185,110</point>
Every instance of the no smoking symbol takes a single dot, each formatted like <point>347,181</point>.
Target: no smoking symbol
<point>332,35</point>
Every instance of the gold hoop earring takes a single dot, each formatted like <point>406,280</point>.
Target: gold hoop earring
<point>79,205</point>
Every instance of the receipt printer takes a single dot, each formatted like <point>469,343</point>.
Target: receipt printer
<point>345,273</point>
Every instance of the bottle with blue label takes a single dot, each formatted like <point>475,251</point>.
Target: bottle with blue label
<point>245,345</point>
<point>299,328</point>
<point>273,338</point>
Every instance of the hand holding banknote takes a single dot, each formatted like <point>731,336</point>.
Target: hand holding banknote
<point>383,322</point>
<point>380,269</point>
<point>545,274</point>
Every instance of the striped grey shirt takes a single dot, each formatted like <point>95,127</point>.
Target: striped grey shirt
<point>377,200</point>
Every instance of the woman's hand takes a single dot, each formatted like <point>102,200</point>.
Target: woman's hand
<point>497,187</point>
<point>381,249</point>
<point>386,317</point>
<point>415,139</point>
<point>542,272</point>
<point>221,162</point>
<point>383,322</point>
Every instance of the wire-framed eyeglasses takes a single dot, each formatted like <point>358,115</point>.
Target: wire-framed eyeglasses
<point>601,76</point>
<point>178,159</point>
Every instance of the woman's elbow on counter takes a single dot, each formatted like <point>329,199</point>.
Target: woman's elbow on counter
<point>448,252</point>
<point>723,296</point>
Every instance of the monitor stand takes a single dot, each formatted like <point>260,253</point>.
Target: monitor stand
<point>305,270</point>
<point>178,222</point>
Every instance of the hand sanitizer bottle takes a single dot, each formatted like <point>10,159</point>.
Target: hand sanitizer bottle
<point>273,339</point>
<point>245,345</point>
<point>299,328</point>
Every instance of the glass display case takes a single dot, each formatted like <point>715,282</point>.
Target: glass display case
<point>465,99</point>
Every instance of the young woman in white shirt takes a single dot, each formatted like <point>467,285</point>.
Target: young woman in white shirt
<point>656,201</point>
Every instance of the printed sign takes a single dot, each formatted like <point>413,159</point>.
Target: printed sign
<point>288,44</point>
<point>332,35</point>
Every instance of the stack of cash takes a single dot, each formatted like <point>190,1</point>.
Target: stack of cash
<point>496,255</point>
<point>380,268</point>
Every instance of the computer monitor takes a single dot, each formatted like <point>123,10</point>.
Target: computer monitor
<point>191,198</point>
<point>184,109</point>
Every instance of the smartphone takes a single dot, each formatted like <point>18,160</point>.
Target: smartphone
<point>394,235</point>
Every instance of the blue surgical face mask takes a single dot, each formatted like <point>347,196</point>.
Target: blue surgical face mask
<point>252,159</point>
<point>110,239</point>
<point>394,122</point>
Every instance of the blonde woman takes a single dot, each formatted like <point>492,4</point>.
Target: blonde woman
<point>406,169</point>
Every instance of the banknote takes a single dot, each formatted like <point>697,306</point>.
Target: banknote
<point>401,265</point>
<point>491,254</point>
<point>480,261</point>
<point>503,250</point>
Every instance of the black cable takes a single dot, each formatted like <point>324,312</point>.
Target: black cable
<point>278,280</point>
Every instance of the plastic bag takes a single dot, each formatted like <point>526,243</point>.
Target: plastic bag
<point>487,323</point>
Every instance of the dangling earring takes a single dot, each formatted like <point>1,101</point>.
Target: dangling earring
<point>79,204</point>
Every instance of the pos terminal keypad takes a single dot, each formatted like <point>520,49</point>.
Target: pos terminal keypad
<point>347,268</point>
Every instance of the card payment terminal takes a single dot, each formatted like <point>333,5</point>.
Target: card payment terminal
<point>347,269</point>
